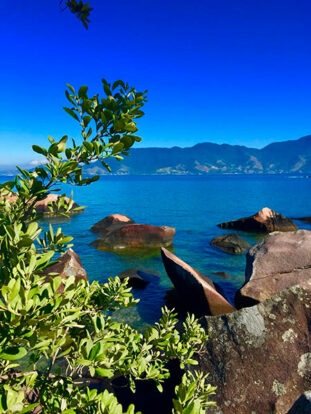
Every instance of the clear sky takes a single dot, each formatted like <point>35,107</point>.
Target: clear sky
<point>224,71</point>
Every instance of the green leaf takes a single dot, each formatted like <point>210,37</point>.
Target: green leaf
<point>71,88</point>
<point>13,353</point>
<point>39,150</point>
<point>82,93</point>
<point>72,113</point>
<point>104,372</point>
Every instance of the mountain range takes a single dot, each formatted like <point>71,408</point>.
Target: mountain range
<point>287,157</point>
<point>280,157</point>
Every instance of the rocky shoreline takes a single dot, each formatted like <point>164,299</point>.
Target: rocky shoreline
<point>258,353</point>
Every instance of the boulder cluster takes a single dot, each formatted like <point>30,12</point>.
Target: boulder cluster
<point>258,351</point>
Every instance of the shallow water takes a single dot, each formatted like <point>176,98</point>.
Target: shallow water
<point>193,205</point>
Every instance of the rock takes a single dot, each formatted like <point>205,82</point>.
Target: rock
<point>231,243</point>
<point>302,405</point>
<point>280,261</point>
<point>111,223</point>
<point>119,233</point>
<point>196,290</point>
<point>42,206</point>
<point>305,219</point>
<point>136,278</point>
<point>259,357</point>
<point>69,264</point>
<point>265,221</point>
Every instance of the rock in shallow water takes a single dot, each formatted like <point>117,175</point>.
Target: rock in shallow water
<point>111,223</point>
<point>231,243</point>
<point>265,221</point>
<point>196,290</point>
<point>119,233</point>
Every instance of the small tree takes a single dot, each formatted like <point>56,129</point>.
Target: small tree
<point>54,341</point>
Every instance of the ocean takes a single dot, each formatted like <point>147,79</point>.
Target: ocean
<point>194,205</point>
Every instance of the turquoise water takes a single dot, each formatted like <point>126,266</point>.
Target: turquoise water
<point>193,205</point>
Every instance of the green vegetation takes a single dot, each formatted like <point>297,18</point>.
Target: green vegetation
<point>79,8</point>
<point>57,336</point>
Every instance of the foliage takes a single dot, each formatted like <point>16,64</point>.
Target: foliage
<point>57,336</point>
<point>81,9</point>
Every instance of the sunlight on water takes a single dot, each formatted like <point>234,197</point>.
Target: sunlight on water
<point>194,205</point>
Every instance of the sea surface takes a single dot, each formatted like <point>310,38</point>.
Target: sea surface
<point>194,205</point>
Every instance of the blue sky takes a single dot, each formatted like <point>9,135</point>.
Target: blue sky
<point>233,71</point>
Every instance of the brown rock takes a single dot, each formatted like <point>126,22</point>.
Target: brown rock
<point>231,243</point>
<point>280,261</point>
<point>140,236</point>
<point>69,264</point>
<point>111,223</point>
<point>119,233</point>
<point>42,206</point>
<point>265,221</point>
<point>198,291</point>
<point>259,357</point>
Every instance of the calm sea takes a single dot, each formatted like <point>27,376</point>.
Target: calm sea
<point>193,205</point>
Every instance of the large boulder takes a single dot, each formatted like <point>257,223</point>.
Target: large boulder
<point>231,243</point>
<point>265,221</point>
<point>259,357</point>
<point>196,290</point>
<point>111,223</point>
<point>119,233</point>
<point>280,261</point>
<point>69,264</point>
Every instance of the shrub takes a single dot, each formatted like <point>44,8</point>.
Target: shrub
<point>55,342</point>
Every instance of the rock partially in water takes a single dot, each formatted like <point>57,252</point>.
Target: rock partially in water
<point>43,207</point>
<point>196,290</point>
<point>118,232</point>
<point>280,261</point>
<point>136,278</point>
<point>259,357</point>
<point>140,235</point>
<point>231,243</point>
<point>111,223</point>
<point>265,221</point>
<point>306,219</point>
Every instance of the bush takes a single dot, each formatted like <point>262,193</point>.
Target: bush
<point>56,336</point>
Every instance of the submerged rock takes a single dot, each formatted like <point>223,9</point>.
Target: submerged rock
<point>280,261</point>
<point>136,278</point>
<point>196,290</point>
<point>259,357</point>
<point>265,221</point>
<point>231,243</point>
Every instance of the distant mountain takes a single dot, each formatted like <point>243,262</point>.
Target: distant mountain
<point>280,157</point>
